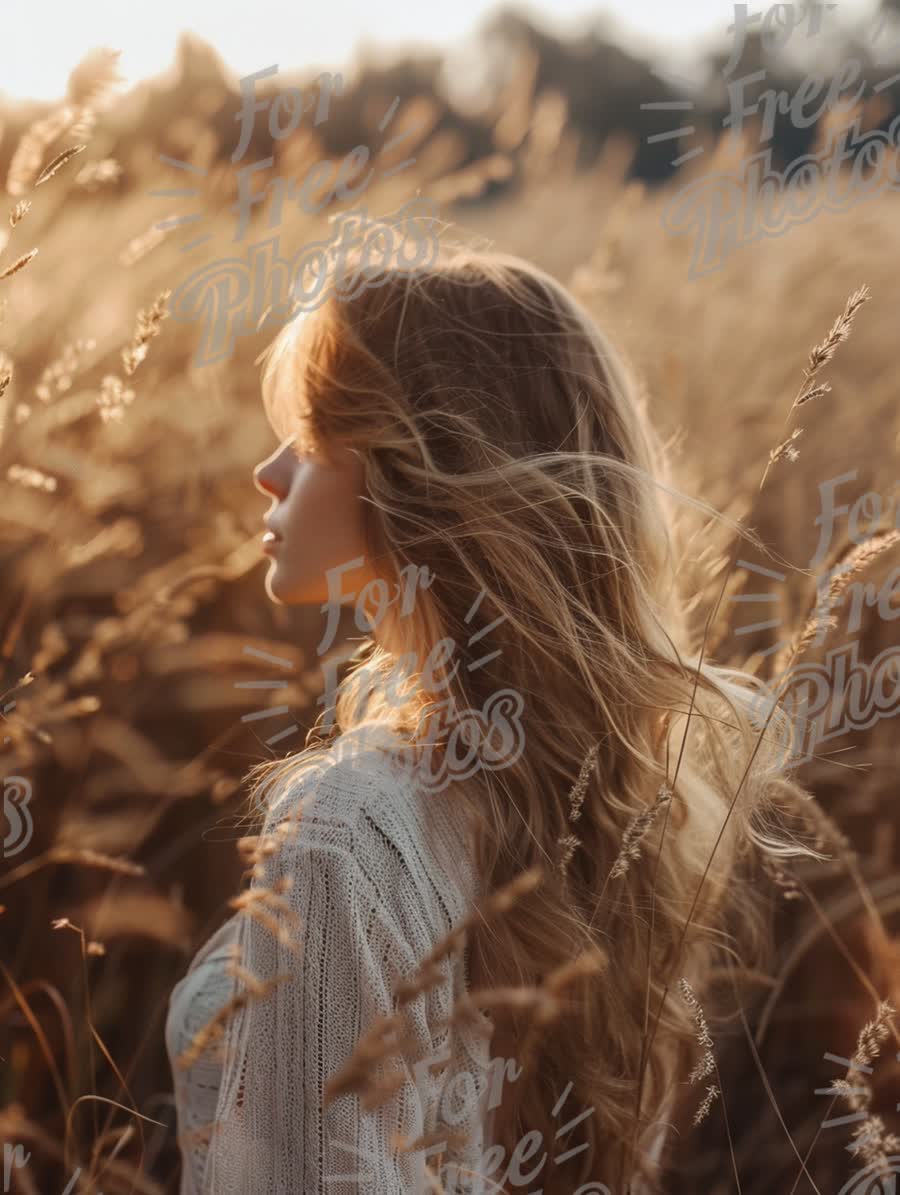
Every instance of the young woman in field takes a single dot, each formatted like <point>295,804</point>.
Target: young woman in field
<point>466,468</point>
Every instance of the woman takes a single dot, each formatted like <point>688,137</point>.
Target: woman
<point>466,467</point>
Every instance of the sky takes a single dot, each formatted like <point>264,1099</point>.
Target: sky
<point>48,37</point>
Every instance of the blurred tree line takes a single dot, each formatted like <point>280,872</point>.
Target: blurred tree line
<point>599,89</point>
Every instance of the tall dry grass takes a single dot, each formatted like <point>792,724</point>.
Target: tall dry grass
<point>134,586</point>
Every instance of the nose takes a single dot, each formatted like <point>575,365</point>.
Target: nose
<point>272,476</point>
<point>262,479</point>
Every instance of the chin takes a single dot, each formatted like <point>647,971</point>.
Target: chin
<point>273,592</point>
<point>284,591</point>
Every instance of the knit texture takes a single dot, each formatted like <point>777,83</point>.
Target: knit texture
<point>378,870</point>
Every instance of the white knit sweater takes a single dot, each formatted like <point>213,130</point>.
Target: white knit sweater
<point>379,870</point>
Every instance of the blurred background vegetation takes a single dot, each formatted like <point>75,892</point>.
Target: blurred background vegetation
<point>133,580</point>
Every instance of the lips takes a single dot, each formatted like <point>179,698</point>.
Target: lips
<point>270,540</point>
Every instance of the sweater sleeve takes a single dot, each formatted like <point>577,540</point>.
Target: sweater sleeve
<point>321,947</point>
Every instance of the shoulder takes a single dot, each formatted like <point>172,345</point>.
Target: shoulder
<point>358,782</point>
<point>360,804</point>
<point>342,786</point>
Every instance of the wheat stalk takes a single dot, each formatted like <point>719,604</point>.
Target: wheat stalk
<point>637,830</point>
<point>19,264</point>
<point>57,164</point>
<point>819,355</point>
<point>871,1139</point>
<point>819,618</point>
<point>707,1063</point>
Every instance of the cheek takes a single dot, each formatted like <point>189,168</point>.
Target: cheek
<point>325,530</point>
<point>328,517</point>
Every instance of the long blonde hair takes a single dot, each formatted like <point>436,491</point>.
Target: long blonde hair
<point>506,448</point>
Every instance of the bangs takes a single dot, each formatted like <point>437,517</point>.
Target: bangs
<point>285,381</point>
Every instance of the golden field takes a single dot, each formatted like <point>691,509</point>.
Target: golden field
<point>133,585</point>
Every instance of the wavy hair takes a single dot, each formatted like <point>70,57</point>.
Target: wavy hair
<point>507,450</point>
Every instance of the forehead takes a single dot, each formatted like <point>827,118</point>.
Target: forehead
<point>286,401</point>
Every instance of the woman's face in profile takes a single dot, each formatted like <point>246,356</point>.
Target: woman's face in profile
<point>315,525</point>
